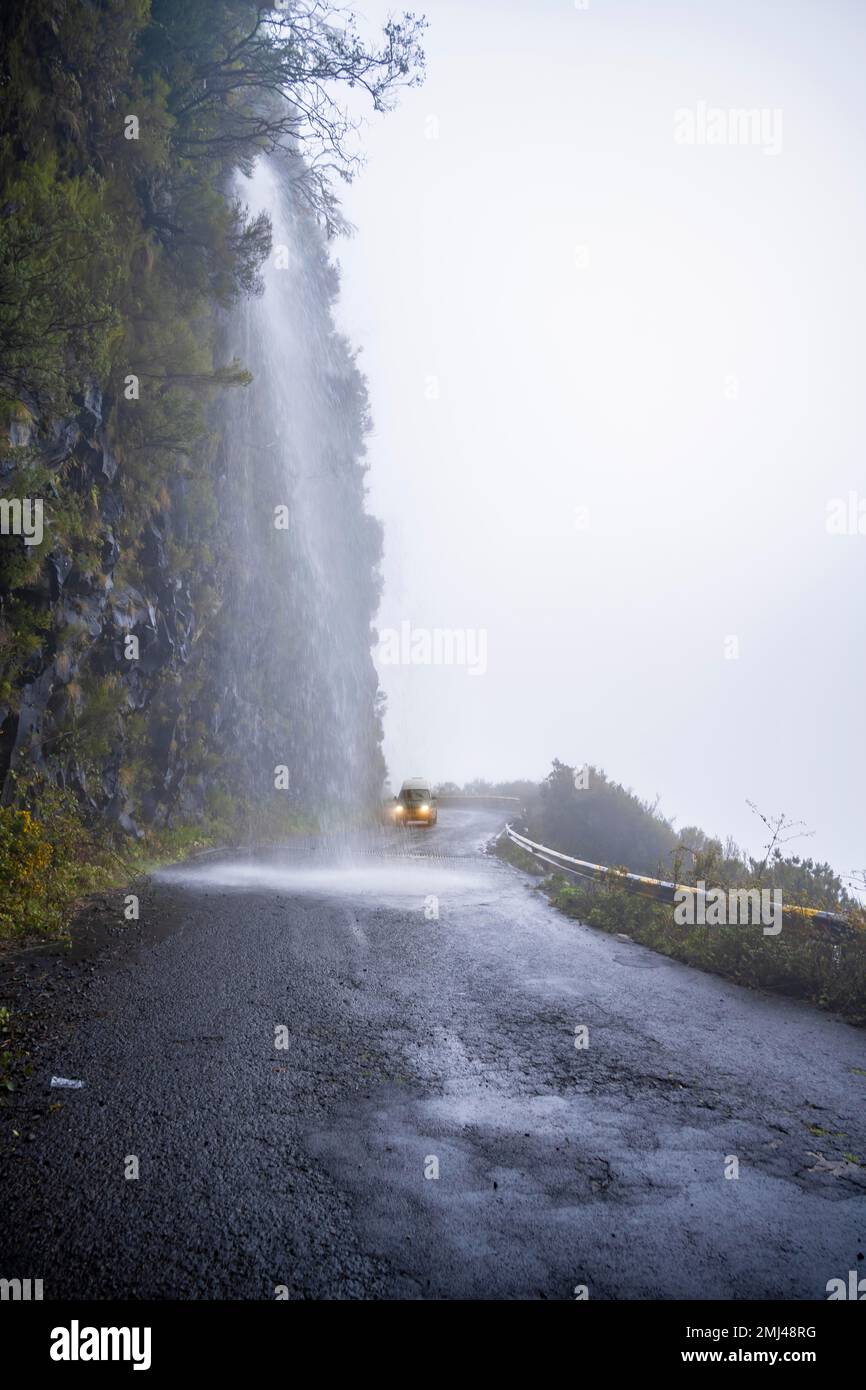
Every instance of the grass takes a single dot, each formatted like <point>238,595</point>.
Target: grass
<point>802,962</point>
<point>52,862</point>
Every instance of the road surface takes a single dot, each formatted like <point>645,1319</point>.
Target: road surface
<point>417,1044</point>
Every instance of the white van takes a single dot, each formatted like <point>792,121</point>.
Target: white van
<point>415,803</point>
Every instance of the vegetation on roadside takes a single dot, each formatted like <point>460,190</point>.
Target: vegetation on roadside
<point>580,812</point>
<point>14,1057</point>
<point>800,962</point>
<point>49,864</point>
<point>43,865</point>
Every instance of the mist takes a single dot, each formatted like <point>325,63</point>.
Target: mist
<point>610,325</point>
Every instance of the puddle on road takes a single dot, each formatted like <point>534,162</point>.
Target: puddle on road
<point>377,878</point>
<point>638,962</point>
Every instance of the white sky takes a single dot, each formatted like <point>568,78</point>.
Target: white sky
<point>589,294</point>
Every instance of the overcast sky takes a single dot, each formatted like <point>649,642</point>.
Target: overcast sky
<point>617,380</point>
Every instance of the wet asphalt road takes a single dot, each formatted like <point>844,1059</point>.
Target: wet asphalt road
<point>416,1044</point>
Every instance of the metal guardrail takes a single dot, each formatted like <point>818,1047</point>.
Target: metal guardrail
<point>658,888</point>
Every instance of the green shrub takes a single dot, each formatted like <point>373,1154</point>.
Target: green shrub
<point>28,869</point>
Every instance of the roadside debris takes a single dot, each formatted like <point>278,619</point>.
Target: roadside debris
<point>65,1081</point>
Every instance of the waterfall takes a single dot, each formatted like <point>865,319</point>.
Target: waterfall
<point>300,688</point>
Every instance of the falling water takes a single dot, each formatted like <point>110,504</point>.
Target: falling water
<point>299,682</point>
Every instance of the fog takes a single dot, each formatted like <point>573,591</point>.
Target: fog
<point>386,880</point>
<point>613,343</point>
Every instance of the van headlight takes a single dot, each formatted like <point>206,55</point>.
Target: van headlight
<point>425,808</point>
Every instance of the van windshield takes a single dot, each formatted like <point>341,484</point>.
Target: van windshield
<point>414,795</point>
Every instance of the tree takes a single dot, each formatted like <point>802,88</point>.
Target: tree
<point>59,270</point>
<point>245,78</point>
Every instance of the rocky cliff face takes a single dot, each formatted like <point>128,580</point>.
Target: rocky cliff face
<point>78,710</point>
<point>169,668</point>
<point>167,653</point>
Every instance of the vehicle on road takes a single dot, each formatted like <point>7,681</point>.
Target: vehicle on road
<point>415,804</point>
